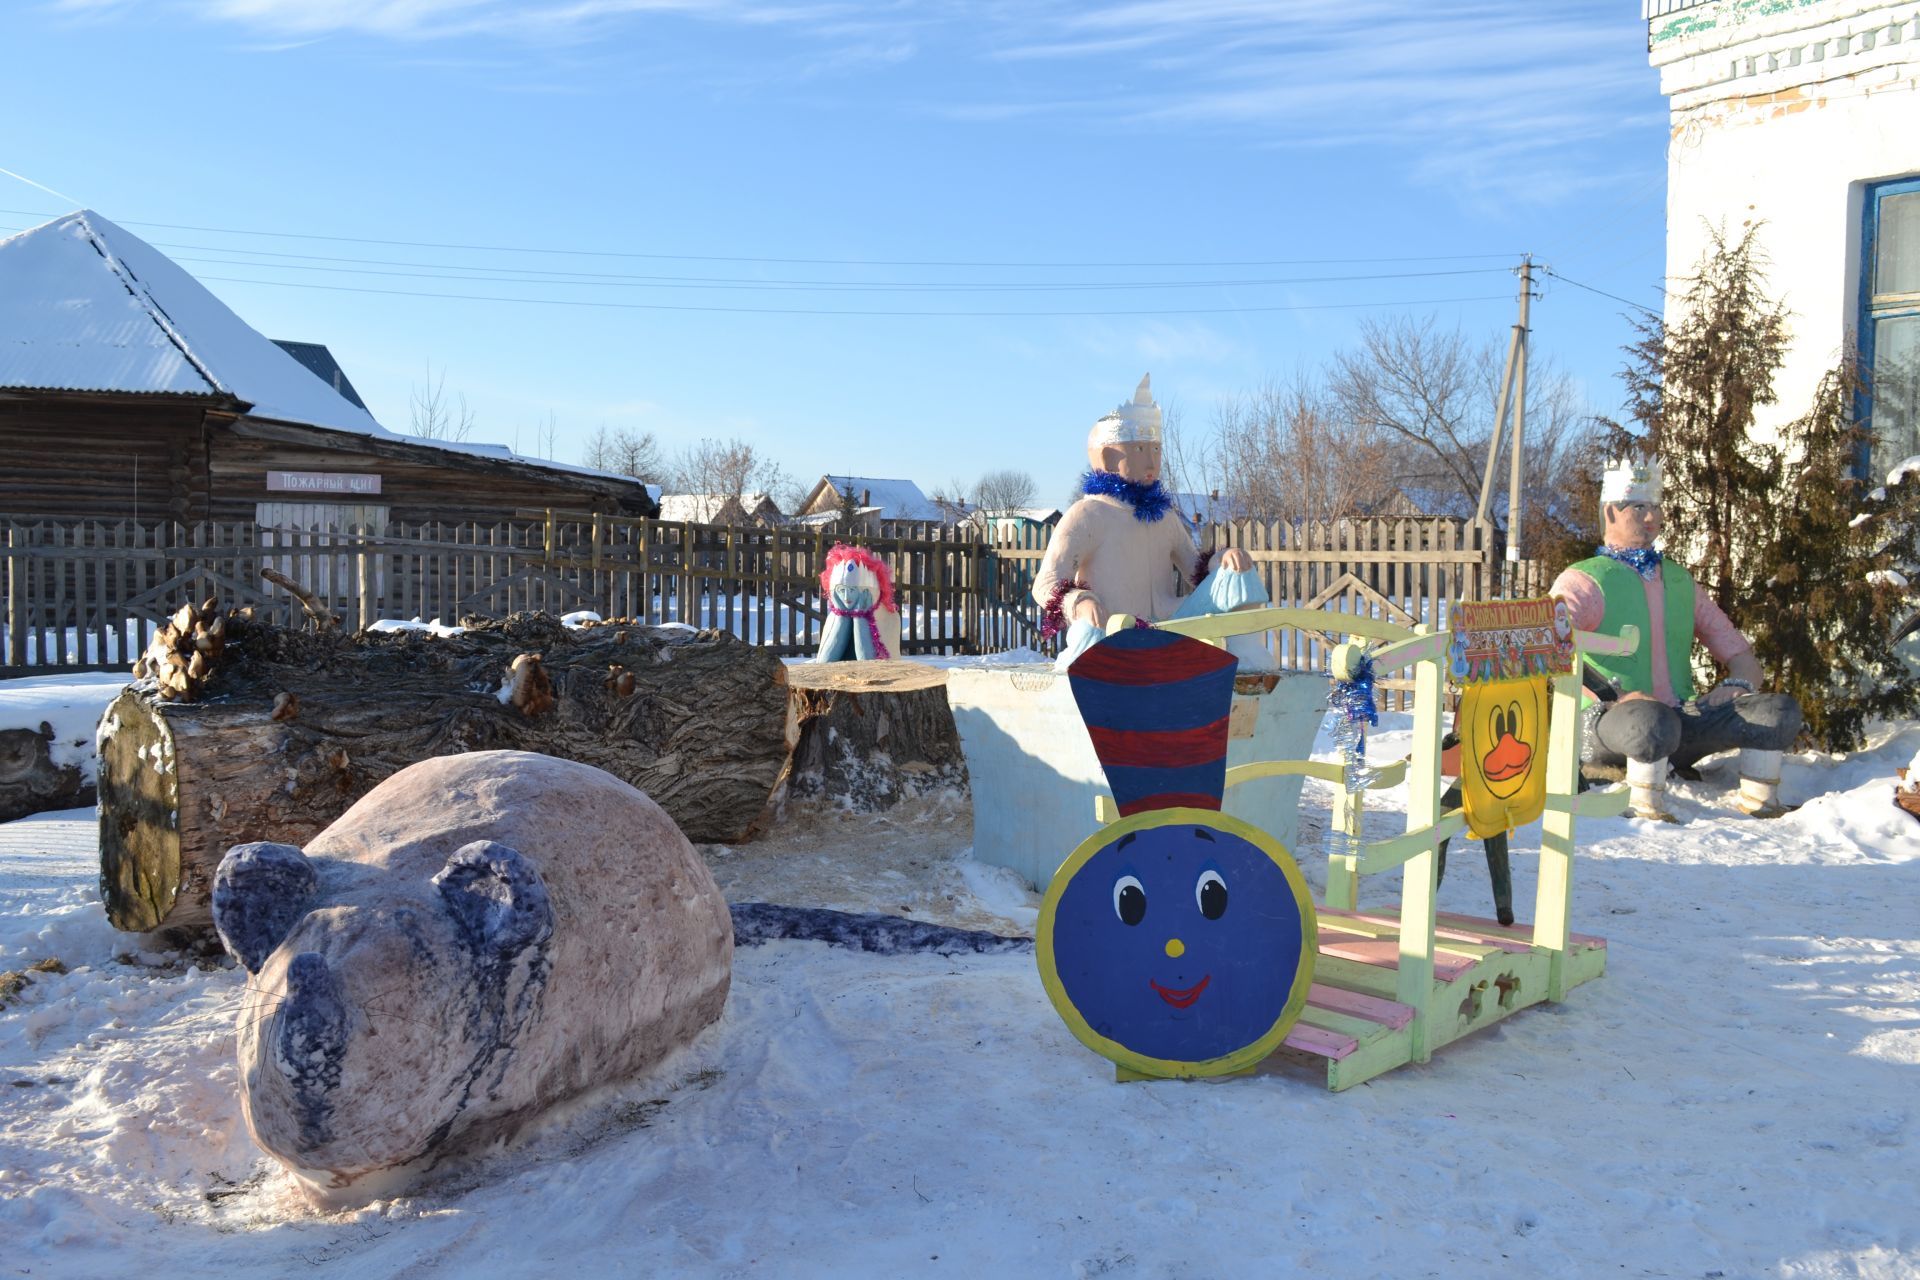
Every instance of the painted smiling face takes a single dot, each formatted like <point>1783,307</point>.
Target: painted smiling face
<point>1178,942</point>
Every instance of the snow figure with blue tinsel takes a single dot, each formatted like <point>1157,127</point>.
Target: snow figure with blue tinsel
<point>863,623</point>
<point>1117,552</point>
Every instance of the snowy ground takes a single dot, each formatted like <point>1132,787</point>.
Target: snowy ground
<point>1735,1098</point>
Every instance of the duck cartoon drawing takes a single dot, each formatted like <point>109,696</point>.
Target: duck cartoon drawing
<point>1503,733</point>
<point>1505,767</point>
<point>1178,941</point>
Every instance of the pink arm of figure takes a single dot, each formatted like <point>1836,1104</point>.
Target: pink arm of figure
<point>1714,629</point>
<point>1585,605</point>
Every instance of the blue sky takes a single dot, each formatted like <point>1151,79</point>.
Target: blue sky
<point>726,170</point>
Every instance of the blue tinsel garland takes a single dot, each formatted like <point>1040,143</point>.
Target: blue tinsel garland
<point>1644,561</point>
<point>1149,501</point>
<point>1353,698</point>
<point>1353,703</point>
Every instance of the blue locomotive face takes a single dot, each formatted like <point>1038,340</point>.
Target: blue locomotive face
<point>1179,942</point>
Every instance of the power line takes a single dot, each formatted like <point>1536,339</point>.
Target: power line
<point>836,286</point>
<point>1602,292</point>
<point>524,275</point>
<point>836,262</point>
<point>810,311</point>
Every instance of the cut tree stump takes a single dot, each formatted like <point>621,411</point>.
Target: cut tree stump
<point>295,726</point>
<point>30,782</point>
<point>872,733</point>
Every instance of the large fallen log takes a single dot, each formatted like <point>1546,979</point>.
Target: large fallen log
<point>291,727</point>
<point>873,733</point>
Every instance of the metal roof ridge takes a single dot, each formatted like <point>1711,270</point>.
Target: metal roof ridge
<point>151,305</point>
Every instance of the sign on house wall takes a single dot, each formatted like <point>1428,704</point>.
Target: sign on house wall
<point>322,482</point>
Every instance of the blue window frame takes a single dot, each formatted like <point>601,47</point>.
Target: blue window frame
<point>1890,320</point>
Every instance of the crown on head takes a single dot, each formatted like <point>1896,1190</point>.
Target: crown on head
<point>1135,422</point>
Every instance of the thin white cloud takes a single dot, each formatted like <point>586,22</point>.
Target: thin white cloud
<point>1487,93</point>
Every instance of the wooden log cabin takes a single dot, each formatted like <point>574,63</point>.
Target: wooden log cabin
<point>129,392</point>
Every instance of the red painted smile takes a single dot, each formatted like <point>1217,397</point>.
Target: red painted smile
<point>1181,999</point>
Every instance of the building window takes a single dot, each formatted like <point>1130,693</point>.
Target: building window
<point>1890,320</point>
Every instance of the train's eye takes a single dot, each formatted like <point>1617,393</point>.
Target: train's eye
<point>1513,718</point>
<point>1499,725</point>
<point>1211,893</point>
<point>1129,900</point>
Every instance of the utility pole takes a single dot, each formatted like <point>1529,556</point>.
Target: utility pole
<point>1514,501</point>
<point>1513,392</point>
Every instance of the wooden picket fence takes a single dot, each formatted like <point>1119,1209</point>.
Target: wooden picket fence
<point>88,594</point>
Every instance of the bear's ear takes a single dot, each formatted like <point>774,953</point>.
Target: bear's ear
<point>496,899</point>
<point>259,891</point>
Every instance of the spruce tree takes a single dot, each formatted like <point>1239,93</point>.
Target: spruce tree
<point>1803,555</point>
<point>1694,388</point>
<point>1827,594</point>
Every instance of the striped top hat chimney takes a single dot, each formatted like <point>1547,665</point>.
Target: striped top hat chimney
<point>1156,705</point>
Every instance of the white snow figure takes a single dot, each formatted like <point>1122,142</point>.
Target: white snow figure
<point>862,621</point>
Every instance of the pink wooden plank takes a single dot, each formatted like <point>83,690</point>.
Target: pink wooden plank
<point>1384,953</point>
<point>1504,941</point>
<point>1328,1044</point>
<point>1388,1013</point>
<point>1521,931</point>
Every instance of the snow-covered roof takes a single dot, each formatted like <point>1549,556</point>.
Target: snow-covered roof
<point>88,306</point>
<point>896,499</point>
<point>828,517</point>
<point>1211,508</point>
<point>704,508</point>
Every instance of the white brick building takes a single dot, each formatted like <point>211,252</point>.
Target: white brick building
<point>1803,115</point>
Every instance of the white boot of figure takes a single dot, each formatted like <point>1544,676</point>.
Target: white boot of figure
<point>1647,790</point>
<point>1760,783</point>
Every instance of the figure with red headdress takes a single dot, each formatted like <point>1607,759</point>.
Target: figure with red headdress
<point>863,623</point>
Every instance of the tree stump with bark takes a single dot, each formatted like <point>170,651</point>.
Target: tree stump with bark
<point>873,733</point>
<point>30,781</point>
<point>291,727</point>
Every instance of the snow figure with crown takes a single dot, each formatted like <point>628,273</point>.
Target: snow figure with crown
<point>1178,941</point>
<point>862,620</point>
<point>1116,552</point>
<point>1650,716</point>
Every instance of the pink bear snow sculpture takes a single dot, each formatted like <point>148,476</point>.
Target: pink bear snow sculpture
<point>481,936</point>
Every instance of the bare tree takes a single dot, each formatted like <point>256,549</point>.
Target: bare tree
<point>727,468</point>
<point>1283,453</point>
<point>1421,386</point>
<point>626,451</point>
<point>1431,396</point>
<point>1189,462</point>
<point>434,416</point>
<point>1004,490</point>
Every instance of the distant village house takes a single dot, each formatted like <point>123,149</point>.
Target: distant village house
<point>129,392</point>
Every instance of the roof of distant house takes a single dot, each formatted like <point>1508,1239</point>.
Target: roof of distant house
<point>320,362</point>
<point>896,499</point>
<point>703,508</point>
<point>1211,508</point>
<point>86,305</point>
<point>1440,501</point>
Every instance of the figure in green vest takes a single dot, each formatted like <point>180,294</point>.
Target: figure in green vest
<point>1650,717</point>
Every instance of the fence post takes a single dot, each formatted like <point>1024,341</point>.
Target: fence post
<point>16,601</point>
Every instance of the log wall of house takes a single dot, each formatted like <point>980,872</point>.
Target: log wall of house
<point>104,459</point>
<point>67,457</point>
<point>411,489</point>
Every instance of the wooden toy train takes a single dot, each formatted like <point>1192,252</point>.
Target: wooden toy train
<point>1178,941</point>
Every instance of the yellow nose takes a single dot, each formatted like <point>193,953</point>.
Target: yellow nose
<point>1176,948</point>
